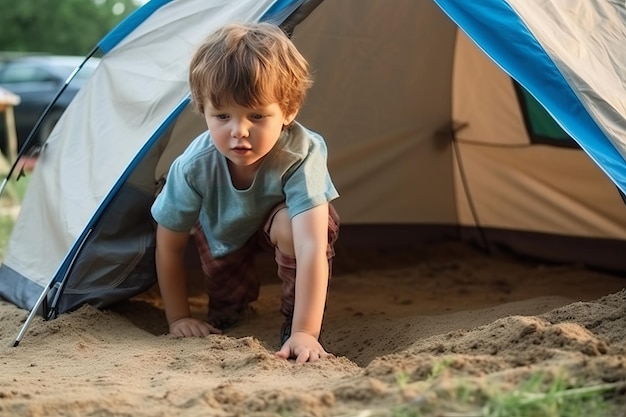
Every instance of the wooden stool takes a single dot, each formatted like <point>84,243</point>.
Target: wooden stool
<point>7,101</point>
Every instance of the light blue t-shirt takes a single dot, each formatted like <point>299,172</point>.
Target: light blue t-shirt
<point>199,187</point>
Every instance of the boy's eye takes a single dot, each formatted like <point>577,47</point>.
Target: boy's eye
<point>256,116</point>
<point>222,116</point>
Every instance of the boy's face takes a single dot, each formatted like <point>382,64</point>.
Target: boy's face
<point>245,135</point>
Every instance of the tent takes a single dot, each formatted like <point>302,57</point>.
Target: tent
<point>509,133</point>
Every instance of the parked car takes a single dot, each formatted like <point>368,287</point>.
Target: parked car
<point>36,79</point>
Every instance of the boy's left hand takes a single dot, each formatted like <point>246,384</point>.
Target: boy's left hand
<point>303,347</point>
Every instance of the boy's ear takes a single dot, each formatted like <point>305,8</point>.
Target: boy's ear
<point>290,118</point>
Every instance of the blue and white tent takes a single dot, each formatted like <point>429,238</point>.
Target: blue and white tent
<point>434,133</point>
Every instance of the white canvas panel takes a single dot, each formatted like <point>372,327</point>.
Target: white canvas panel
<point>586,39</point>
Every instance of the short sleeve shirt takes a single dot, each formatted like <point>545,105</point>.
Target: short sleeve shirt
<point>199,188</point>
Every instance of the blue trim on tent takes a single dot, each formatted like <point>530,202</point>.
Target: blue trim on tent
<point>277,8</point>
<point>129,24</point>
<point>497,29</point>
<point>277,12</point>
<point>281,10</point>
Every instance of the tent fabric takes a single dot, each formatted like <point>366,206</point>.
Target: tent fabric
<point>535,187</point>
<point>577,63</point>
<point>424,131</point>
<point>388,74</point>
<point>387,136</point>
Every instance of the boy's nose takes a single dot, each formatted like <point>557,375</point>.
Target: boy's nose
<point>239,130</point>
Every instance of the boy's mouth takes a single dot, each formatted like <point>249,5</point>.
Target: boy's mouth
<point>241,150</point>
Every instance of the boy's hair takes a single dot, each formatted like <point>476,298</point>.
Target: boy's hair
<point>251,64</point>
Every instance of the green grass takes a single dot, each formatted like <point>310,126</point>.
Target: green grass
<point>538,396</point>
<point>13,195</point>
<point>541,394</point>
<point>534,398</point>
<point>6,227</point>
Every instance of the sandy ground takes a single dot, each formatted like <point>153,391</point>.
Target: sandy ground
<point>391,321</point>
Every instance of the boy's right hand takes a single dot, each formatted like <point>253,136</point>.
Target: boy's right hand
<point>190,327</point>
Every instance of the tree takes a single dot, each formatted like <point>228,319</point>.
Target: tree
<point>68,27</point>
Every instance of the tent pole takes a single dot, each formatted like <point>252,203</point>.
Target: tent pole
<point>53,313</point>
<point>31,315</point>
<point>44,294</point>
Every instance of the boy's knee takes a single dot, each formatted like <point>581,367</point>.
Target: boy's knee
<point>281,234</point>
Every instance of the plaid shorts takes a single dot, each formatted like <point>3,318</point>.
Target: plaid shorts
<point>232,281</point>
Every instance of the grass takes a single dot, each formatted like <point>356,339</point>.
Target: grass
<point>535,399</point>
<point>11,197</point>
<point>540,395</point>
<point>6,227</point>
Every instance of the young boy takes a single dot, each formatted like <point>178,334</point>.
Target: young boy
<point>256,176</point>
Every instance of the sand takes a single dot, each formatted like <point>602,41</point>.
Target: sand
<point>406,330</point>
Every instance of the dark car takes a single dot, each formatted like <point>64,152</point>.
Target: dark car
<point>36,79</point>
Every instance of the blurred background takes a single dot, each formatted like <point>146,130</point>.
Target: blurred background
<point>41,43</point>
<point>61,27</point>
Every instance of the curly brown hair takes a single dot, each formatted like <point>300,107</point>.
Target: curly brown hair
<point>252,64</point>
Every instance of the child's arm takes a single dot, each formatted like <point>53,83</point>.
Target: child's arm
<point>172,277</point>
<point>310,238</point>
